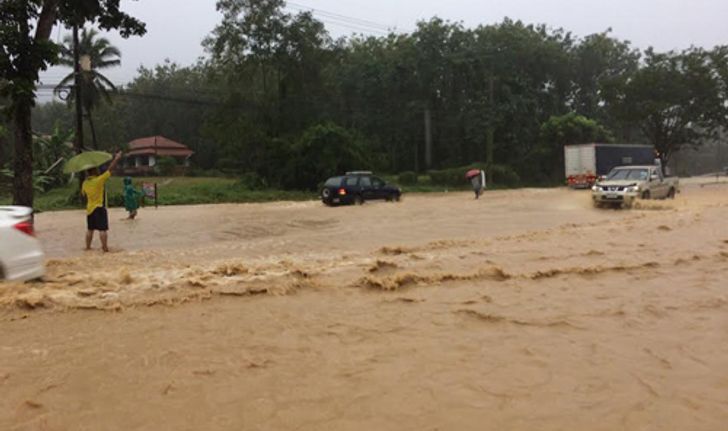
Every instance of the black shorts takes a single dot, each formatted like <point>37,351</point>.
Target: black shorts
<point>98,220</point>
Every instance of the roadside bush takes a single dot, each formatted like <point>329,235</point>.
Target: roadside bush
<point>165,166</point>
<point>407,178</point>
<point>74,198</point>
<point>6,181</point>
<point>446,177</point>
<point>205,173</point>
<point>504,176</point>
<point>322,151</point>
<point>252,181</point>
<point>115,200</point>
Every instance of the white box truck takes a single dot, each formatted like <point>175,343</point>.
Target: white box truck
<point>584,164</point>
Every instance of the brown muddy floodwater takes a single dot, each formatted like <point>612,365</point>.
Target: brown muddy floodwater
<point>526,310</point>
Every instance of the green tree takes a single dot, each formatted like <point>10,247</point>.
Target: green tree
<point>49,150</point>
<point>322,151</point>
<point>165,100</point>
<point>272,70</point>
<point>25,28</point>
<point>4,151</point>
<point>46,116</point>
<point>602,66</point>
<point>673,99</point>
<point>510,92</point>
<point>569,129</point>
<point>719,62</point>
<point>95,87</point>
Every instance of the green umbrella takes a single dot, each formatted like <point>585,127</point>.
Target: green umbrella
<point>86,161</point>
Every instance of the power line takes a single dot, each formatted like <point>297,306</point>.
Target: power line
<point>353,27</point>
<point>344,18</point>
<point>380,107</point>
<point>345,21</point>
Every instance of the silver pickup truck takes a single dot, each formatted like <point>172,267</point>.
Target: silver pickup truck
<point>625,184</point>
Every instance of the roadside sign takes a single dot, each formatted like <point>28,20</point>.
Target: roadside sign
<point>150,192</point>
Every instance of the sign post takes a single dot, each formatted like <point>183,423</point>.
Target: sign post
<point>150,191</point>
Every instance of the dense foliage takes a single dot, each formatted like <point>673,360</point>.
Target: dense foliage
<point>278,99</point>
<point>26,49</point>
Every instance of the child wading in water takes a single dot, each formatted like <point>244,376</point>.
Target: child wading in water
<point>131,198</point>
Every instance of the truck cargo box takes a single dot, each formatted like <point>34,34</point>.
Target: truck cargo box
<point>585,163</point>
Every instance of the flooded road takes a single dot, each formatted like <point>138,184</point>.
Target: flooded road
<point>525,310</point>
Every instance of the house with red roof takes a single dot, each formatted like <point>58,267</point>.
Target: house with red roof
<point>144,153</point>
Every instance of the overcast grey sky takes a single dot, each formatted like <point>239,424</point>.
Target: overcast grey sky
<point>177,27</point>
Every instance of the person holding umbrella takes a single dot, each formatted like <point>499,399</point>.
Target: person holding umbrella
<point>477,180</point>
<point>94,189</point>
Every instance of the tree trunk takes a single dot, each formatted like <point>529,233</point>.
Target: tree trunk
<point>77,86</point>
<point>23,164</point>
<point>94,144</point>
<point>46,20</point>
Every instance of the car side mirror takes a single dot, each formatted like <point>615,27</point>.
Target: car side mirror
<point>654,177</point>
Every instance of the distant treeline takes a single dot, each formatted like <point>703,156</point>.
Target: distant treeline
<point>278,98</point>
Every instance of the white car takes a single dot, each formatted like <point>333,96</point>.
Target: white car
<point>21,255</point>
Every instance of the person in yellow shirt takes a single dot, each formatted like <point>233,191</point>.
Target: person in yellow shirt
<point>97,218</point>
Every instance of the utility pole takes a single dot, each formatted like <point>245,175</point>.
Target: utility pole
<point>490,133</point>
<point>719,168</point>
<point>428,139</point>
<point>77,89</point>
<point>417,156</point>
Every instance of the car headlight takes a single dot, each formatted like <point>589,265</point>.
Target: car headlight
<point>632,189</point>
<point>596,188</point>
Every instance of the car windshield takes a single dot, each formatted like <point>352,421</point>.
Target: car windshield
<point>629,174</point>
<point>333,182</point>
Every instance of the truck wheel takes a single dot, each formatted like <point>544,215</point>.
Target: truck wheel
<point>671,193</point>
<point>646,195</point>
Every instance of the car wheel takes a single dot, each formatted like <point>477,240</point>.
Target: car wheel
<point>646,195</point>
<point>671,194</point>
<point>326,193</point>
<point>398,197</point>
<point>358,200</point>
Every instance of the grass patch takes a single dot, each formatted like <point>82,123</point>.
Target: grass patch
<point>172,191</point>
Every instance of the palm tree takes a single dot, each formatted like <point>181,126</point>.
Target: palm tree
<point>94,85</point>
